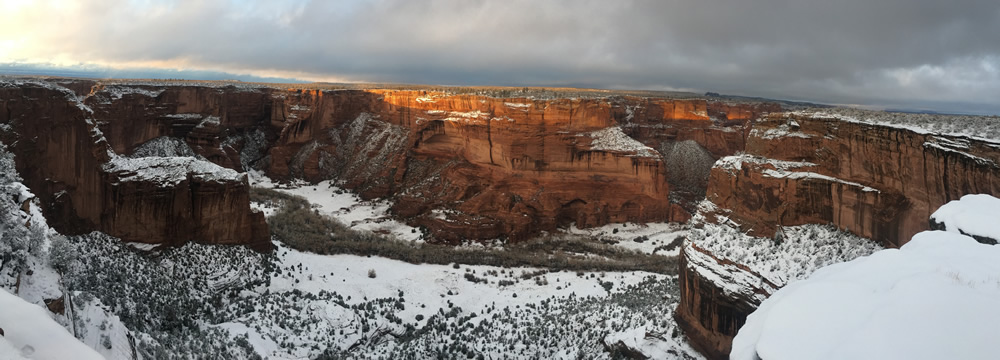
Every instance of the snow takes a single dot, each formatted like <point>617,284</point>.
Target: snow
<point>9,352</point>
<point>614,139</point>
<point>524,107</point>
<point>184,116</point>
<point>812,175</point>
<point>465,116</point>
<point>952,146</point>
<point>973,214</point>
<point>348,207</point>
<point>649,238</point>
<point>428,290</point>
<point>802,250</point>
<point>986,128</point>
<point>735,162</point>
<point>784,130</point>
<point>208,121</point>
<point>29,328</point>
<point>116,92</point>
<point>934,298</point>
<point>163,146</point>
<point>651,345</point>
<point>168,171</point>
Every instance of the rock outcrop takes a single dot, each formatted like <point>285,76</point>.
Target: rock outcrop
<point>84,185</point>
<point>876,181</point>
<point>879,182</point>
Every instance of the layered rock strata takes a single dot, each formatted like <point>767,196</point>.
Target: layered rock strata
<point>461,166</point>
<point>84,185</point>
<point>875,181</point>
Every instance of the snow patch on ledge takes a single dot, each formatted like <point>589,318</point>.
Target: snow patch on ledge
<point>784,130</point>
<point>984,128</point>
<point>735,162</point>
<point>116,92</point>
<point>517,105</point>
<point>170,170</point>
<point>933,298</point>
<point>974,214</point>
<point>465,116</point>
<point>614,139</point>
<point>956,146</point>
<point>811,175</point>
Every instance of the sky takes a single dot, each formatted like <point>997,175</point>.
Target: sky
<point>910,54</point>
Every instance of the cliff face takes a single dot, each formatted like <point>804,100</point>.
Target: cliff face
<point>878,182</point>
<point>67,161</point>
<point>463,166</point>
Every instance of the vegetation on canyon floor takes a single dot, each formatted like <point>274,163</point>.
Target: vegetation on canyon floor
<point>297,225</point>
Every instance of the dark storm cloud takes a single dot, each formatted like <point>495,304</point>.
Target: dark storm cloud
<point>913,53</point>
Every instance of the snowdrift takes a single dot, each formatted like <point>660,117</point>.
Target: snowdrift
<point>933,298</point>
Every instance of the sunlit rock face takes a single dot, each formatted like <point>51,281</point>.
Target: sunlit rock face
<point>462,166</point>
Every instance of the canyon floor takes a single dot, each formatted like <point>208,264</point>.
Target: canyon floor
<point>133,299</point>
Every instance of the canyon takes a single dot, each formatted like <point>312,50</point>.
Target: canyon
<point>100,155</point>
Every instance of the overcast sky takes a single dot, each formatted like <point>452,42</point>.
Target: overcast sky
<point>921,54</point>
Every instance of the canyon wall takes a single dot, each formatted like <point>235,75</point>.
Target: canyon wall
<point>461,166</point>
<point>101,156</point>
<point>879,182</point>
<point>876,181</point>
<point>84,185</point>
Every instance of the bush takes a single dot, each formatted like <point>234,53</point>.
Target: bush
<point>371,273</point>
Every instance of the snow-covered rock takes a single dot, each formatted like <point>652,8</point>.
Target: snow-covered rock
<point>934,298</point>
<point>976,215</point>
<point>614,139</point>
<point>169,170</point>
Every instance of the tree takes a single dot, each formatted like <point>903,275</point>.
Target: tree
<point>62,254</point>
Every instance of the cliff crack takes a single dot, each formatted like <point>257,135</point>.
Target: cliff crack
<point>489,139</point>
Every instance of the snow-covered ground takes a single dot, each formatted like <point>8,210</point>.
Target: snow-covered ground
<point>979,127</point>
<point>30,333</point>
<point>652,238</point>
<point>799,251</point>
<point>343,205</point>
<point>934,298</point>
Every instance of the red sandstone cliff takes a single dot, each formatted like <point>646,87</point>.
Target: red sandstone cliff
<point>66,160</point>
<point>876,181</point>
<point>463,166</point>
<point>879,182</point>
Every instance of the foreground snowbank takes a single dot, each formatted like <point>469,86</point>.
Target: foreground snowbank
<point>934,298</point>
<point>31,333</point>
<point>977,215</point>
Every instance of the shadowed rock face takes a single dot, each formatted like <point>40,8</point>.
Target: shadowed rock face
<point>66,160</point>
